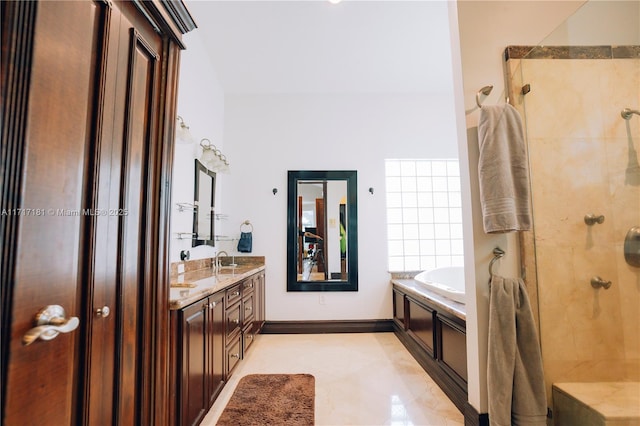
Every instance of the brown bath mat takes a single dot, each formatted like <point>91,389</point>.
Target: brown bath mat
<point>271,399</point>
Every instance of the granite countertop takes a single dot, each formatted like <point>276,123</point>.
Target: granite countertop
<point>410,286</point>
<point>194,285</point>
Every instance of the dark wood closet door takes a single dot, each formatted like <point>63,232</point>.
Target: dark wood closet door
<point>127,145</point>
<point>88,98</point>
<point>51,245</point>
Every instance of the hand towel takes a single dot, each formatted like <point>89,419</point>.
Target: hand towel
<point>515,379</point>
<point>503,170</point>
<point>245,243</point>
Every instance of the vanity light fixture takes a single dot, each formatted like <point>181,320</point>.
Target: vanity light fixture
<point>212,158</point>
<point>183,135</point>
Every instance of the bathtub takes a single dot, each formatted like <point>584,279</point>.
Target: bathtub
<point>447,281</point>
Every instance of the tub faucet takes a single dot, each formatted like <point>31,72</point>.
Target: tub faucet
<point>217,259</point>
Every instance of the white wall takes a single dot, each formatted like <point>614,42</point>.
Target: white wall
<point>267,135</point>
<point>201,105</point>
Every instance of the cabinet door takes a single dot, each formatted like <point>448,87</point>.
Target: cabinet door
<point>216,342</point>
<point>194,396</point>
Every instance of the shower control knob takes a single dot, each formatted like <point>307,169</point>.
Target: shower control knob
<point>592,219</point>
<point>597,282</point>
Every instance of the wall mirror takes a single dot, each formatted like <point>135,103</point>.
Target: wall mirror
<point>322,231</point>
<point>203,199</point>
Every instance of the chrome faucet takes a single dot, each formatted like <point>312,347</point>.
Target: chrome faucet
<point>217,265</point>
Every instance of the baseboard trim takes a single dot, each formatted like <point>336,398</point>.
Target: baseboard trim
<point>320,327</point>
<point>473,418</point>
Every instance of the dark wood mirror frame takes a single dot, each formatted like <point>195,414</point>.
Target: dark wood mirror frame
<point>203,212</point>
<point>351,282</point>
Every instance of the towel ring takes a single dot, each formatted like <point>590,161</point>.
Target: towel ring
<point>484,91</point>
<point>246,223</point>
<point>497,254</point>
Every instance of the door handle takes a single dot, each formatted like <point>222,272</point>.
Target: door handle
<point>50,321</point>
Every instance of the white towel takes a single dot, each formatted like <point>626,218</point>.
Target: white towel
<point>515,379</point>
<point>503,170</point>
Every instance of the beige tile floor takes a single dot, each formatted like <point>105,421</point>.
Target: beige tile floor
<point>361,379</point>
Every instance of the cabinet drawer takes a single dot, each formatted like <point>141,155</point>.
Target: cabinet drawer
<point>234,353</point>
<point>247,339</point>
<point>248,307</point>
<point>233,294</point>
<point>247,286</point>
<point>233,319</point>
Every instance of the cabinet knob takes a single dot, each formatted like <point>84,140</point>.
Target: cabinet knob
<point>212,305</point>
<point>235,356</point>
<point>236,321</point>
<point>103,312</point>
<point>248,308</point>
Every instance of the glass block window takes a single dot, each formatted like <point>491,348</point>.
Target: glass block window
<point>424,214</point>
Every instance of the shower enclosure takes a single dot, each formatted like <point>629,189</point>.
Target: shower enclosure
<point>585,182</point>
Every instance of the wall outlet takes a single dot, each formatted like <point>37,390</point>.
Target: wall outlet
<point>321,299</point>
<point>181,268</point>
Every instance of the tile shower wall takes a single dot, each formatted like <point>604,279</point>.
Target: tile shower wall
<point>583,159</point>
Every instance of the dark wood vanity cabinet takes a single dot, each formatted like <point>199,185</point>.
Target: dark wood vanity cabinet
<point>210,337</point>
<point>437,340</point>
<point>201,357</point>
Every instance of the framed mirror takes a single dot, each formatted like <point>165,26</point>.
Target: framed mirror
<point>322,231</point>
<point>203,199</point>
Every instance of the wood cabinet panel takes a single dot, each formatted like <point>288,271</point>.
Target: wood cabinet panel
<point>453,347</point>
<point>399,308</point>
<point>260,305</point>
<point>421,325</point>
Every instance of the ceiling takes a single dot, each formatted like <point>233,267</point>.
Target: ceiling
<point>311,46</point>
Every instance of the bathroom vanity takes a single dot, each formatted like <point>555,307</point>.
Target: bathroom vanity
<point>433,329</point>
<point>215,316</point>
